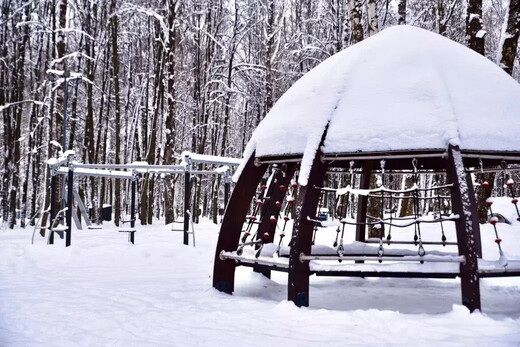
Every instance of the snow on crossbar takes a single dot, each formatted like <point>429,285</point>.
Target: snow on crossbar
<point>274,262</point>
<point>382,189</point>
<point>210,159</point>
<point>96,173</point>
<point>425,258</point>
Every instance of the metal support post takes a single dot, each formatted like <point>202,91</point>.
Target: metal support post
<point>54,186</point>
<point>132,207</point>
<point>467,228</point>
<point>187,195</point>
<point>70,198</point>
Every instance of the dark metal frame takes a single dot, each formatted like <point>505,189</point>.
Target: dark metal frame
<point>453,161</point>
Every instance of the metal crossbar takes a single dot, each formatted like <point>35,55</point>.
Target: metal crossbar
<point>367,192</point>
<point>425,258</point>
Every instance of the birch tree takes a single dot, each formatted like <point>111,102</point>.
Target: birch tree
<point>372,21</point>
<point>355,12</point>
<point>508,51</point>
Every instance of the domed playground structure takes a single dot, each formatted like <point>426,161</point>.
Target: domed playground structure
<point>403,102</point>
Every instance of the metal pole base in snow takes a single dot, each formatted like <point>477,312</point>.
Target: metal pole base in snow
<point>301,242</point>
<point>467,228</point>
<point>70,181</point>
<point>236,211</point>
<point>54,186</point>
<point>132,210</point>
<point>187,216</point>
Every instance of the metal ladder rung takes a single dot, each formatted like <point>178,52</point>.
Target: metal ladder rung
<point>127,230</point>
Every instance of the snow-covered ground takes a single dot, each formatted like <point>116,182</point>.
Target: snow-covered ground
<point>103,291</point>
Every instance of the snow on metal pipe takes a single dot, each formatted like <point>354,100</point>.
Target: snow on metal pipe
<point>498,156</point>
<point>278,161</point>
<point>96,173</point>
<point>426,258</point>
<point>385,156</point>
<point>211,159</point>
<point>129,166</point>
<point>206,172</point>
<point>260,261</point>
<point>377,241</point>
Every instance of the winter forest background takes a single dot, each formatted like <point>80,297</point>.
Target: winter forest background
<point>149,79</point>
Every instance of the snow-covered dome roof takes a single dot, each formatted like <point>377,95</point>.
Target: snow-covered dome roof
<point>403,89</point>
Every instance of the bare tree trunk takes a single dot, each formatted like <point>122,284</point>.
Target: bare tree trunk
<point>441,12</point>
<point>401,11</point>
<point>474,27</point>
<point>510,41</point>
<point>6,117</point>
<point>117,107</point>
<point>61,65</point>
<point>146,211</point>
<point>373,24</point>
<point>269,29</point>
<point>169,213</point>
<point>20,74</point>
<point>355,21</point>
<point>476,34</point>
<point>232,51</point>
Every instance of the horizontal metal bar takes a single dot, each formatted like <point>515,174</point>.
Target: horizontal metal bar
<point>386,274</point>
<point>211,159</point>
<point>380,190</point>
<point>413,242</point>
<point>206,172</point>
<point>260,261</point>
<point>59,162</point>
<point>514,169</point>
<point>498,156</point>
<point>278,161</point>
<point>410,197</point>
<point>97,173</point>
<point>161,171</point>
<point>426,258</point>
<point>230,162</point>
<point>385,156</point>
<point>505,272</point>
<point>128,166</point>
<point>122,174</point>
<point>392,172</point>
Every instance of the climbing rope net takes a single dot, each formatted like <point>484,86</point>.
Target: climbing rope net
<point>430,201</point>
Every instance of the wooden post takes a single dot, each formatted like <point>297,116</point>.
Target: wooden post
<point>281,178</point>
<point>362,205</point>
<point>70,198</point>
<point>467,227</point>
<point>54,186</point>
<point>132,208</point>
<point>234,217</point>
<point>301,242</point>
<point>474,216</point>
